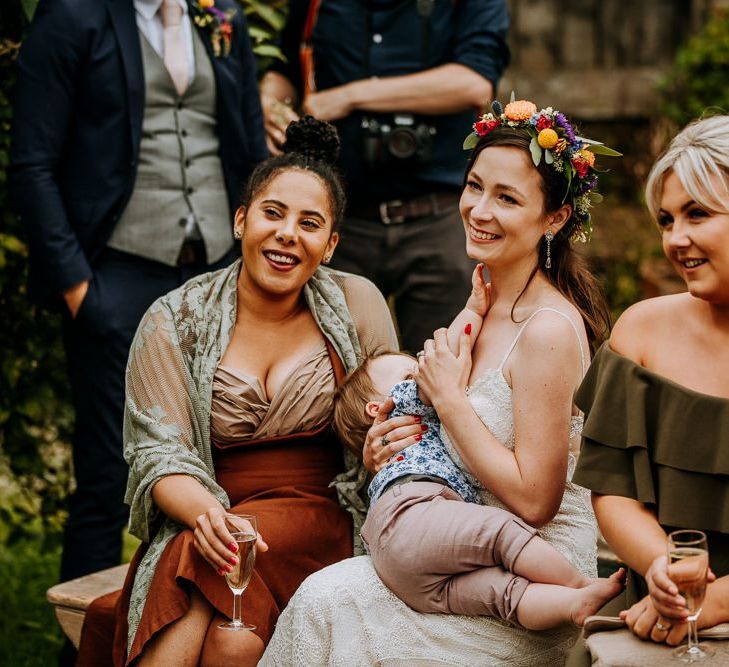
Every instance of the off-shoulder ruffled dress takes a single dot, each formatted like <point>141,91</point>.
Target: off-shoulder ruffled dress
<point>656,441</point>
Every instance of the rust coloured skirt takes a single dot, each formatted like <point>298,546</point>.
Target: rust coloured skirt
<point>284,483</point>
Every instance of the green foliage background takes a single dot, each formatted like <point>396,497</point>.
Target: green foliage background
<point>699,81</point>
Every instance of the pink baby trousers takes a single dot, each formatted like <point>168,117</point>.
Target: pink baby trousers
<point>440,554</point>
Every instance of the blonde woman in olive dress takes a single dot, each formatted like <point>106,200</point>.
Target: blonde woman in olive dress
<point>656,438</point>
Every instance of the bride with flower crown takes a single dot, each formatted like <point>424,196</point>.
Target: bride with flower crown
<point>507,411</point>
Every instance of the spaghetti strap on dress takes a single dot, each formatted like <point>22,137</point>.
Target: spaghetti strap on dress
<point>526,323</point>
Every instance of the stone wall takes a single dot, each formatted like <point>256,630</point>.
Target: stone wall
<point>597,59</point>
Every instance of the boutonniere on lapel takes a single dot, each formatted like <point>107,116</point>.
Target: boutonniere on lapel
<point>217,24</point>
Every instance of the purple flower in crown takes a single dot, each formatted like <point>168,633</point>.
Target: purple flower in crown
<point>585,185</point>
<point>561,120</point>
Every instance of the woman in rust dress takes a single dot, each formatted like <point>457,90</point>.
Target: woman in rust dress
<point>229,390</point>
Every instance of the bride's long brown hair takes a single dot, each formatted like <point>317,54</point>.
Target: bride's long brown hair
<point>570,273</point>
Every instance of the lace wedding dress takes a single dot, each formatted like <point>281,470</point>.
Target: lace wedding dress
<point>344,615</point>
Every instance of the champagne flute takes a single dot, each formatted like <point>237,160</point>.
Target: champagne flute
<point>688,567</point>
<point>243,529</point>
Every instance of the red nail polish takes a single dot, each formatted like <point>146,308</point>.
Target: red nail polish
<point>220,572</point>
<point>233,547</point>
<point>418,437</point>
<point>228,568</point>
<point>400,458</point>
<point>418,419</point>
<point>232,560</point>
<point>424,428</point>
<point>467,330</point>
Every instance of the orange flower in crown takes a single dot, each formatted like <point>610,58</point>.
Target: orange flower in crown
<point>520,110</point>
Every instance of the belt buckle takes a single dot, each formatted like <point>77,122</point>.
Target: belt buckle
<point>384,215</point>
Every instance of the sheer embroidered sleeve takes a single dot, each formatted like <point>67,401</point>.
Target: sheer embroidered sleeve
<point>162,421</point>
<point>370,313</point>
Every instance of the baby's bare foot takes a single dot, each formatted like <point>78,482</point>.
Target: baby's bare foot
<point>592,597</point>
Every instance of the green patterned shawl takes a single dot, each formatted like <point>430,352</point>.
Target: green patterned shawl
<point>169,378</point>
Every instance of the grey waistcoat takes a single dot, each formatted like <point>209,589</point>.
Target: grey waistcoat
<point>180,176</point>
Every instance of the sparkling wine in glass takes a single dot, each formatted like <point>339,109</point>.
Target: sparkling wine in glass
<point>688,567</point>
<point>243,529</point>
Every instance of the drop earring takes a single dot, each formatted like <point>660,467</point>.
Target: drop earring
<point>548,237</point>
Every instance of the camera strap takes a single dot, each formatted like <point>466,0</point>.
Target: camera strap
<point>306,49</point>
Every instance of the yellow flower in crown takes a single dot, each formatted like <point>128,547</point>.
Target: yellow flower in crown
<point>547,138</point>
<point>520,110</point>
<point>206,4</point>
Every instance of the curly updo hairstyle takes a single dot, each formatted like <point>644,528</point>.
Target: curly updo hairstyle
<point>311,145</point>
<point>569,273</point>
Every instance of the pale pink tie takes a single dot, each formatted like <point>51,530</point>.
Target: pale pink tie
<point>175,57</point>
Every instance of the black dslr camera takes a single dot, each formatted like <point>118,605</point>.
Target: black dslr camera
<point>396,139</point>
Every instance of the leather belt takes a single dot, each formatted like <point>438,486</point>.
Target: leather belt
<point>396,211</point>
<point>192,252</point>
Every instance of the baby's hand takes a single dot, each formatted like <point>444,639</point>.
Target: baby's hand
<point>479,301</point>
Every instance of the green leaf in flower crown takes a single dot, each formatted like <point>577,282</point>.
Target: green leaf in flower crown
<point>548,157</point>
<point>595,197</point>
<point>601,149</point>
<point>470,141</point>
<point>568,172</point>
<point>536,150</point>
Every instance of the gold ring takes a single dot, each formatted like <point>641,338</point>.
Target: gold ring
<point>661,627</point>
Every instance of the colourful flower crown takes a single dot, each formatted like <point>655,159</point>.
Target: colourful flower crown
<point>553,138</point>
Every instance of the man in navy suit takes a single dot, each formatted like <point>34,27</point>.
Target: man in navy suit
<point>135,123</point>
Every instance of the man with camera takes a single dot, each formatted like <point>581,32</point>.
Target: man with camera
<point>402,80</point>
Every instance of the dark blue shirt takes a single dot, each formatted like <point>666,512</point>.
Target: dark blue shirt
<point>355,39</point>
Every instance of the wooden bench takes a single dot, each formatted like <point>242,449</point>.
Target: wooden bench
<point>72,598</point>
